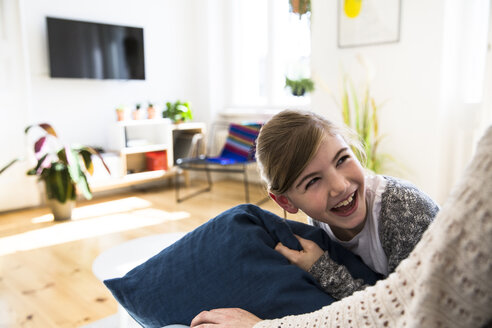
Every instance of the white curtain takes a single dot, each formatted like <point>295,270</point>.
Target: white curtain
<point>465,100</point>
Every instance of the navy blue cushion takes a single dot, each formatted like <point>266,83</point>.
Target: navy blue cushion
<point>230,261</point>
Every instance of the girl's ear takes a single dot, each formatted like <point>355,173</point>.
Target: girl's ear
<point>284,203</point>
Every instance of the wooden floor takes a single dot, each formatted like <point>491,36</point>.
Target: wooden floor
<point>45,267</point>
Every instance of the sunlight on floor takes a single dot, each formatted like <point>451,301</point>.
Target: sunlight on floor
<point>111,207</point>
<point>90,221</point>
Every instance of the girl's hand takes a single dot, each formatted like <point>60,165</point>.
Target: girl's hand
<point>225,318</point>
<point>303,259</point>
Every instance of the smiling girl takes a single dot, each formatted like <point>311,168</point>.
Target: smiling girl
<point>308,164</point>
<point>445,281</point>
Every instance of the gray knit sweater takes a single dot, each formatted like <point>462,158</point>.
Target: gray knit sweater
<point>406,212</point>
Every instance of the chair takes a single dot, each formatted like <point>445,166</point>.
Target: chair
<point>236,155</point>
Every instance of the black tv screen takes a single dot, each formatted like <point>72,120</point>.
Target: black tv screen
<point>90,50</point>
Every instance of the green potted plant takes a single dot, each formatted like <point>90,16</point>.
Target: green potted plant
<point>300,86</point>
<point>300,7</point>
<point>62,168</point>
<point>361,113</point>
<point>178,111</point>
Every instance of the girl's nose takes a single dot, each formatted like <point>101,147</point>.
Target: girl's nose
<point>338,184</point>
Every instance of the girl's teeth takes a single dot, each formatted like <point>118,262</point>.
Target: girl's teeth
<point>345,202</point>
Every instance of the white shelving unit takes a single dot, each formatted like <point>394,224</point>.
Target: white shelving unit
<point>134,141</point>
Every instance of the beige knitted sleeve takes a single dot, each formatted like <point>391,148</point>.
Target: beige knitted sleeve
<point>447,279</point>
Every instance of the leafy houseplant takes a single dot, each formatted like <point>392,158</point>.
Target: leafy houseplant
<point>178,111</point>
<point>300,7</point>
<point>299,87</point>
<point>360,112</point>
<point>62,168</point>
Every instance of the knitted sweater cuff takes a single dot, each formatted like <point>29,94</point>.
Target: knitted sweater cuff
<point>334,278</point>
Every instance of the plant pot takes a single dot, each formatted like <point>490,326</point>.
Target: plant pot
<point>150,112</point>
<point>299,7</point>
<point>299,92</point>
<point>120,115</point>
<point>137,115</point>
<point>61,211</point>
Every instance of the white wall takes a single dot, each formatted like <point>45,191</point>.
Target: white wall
<point>16,189</point>
<point>81,109</point>
<point>187,58</point>
<point>76,106</point>
<point>408,76</point>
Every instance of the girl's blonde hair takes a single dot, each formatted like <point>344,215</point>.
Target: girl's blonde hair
<point>288,142</point>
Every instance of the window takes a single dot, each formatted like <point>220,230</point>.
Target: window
<point>269,43</point>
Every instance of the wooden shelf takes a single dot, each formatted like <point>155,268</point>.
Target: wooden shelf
<point>144,122</point>
<point>132,179</point>
<point>144,149</point>
<point>157,135</point>
<point>189,126</point>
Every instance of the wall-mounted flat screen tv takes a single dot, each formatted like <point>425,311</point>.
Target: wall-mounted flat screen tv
<point>90,50</point>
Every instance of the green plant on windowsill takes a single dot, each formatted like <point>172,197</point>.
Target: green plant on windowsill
<point>178,111</point>
<point>299,87</point>
<point>300,7</point>
<point>62,168</point>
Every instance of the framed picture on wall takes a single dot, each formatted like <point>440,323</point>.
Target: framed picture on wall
<point>368,22</point>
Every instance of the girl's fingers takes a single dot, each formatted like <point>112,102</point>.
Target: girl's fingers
<point>305,258</point>
<point>304,242</point>
<point>287,252</point>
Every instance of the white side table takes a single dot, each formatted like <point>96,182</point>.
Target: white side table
<point>118,260</point>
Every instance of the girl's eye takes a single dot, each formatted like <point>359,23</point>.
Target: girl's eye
<point>342,159</point>
<point>311,182</point>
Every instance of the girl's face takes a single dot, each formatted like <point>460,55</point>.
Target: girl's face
<point>331,189</point>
